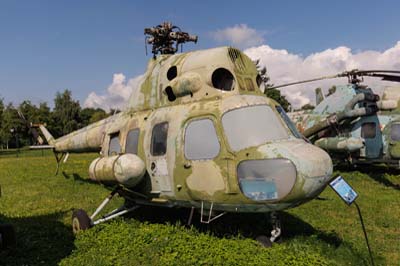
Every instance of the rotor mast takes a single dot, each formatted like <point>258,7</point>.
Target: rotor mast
<point>165,38</point>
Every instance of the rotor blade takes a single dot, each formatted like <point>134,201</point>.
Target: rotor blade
<point>381,74</point>
<point>386,77</point>
<point>306,81</point>
<point>375,71</point>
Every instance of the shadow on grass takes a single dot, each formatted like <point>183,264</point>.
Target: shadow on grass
<point>232,224</point>
<point>377,172</point>
<point>251,225</point>
<point>78,178</point>
<point>41,240</point>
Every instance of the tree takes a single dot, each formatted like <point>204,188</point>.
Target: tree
<point>36,115</point>
<point>307,106</point>
<point>13,128</point>
<point>263,78</point>
<point>276,95</point>
<point>66,114</point>
<point>92,115</point>
<point>331,90</point>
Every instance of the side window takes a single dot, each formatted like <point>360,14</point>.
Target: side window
<point>132,141</point>
<point>159,139</point>
<point>395,132</point>
<point>201,141</point>
<point>114,146</point>
<point>368,130</point>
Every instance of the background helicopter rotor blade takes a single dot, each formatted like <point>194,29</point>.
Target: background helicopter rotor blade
<point>384,74</point>
<point>305,81</point>
<point>386,77</point>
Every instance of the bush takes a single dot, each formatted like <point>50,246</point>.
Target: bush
<point>135,243</point>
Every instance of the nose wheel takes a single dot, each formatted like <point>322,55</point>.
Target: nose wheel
<point>275,232</point>
<point>82,221</point>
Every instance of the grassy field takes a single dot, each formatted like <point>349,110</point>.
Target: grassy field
<point>322,232</point>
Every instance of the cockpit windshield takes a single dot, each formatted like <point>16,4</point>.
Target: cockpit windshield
<point>288,122</point>
<point>252,126</point>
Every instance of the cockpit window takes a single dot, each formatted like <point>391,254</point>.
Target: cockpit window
<point>395,132</point>
<point>288,122</point>
<point>252,126</point>
<point>201,141</point>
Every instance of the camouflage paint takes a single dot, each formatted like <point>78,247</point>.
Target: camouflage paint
<point>171,179</point>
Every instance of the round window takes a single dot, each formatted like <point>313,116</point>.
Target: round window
<point>223,79</point>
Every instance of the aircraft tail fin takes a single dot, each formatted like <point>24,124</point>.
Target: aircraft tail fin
<point>49,138</point>
<point>35,134</point>
<point>319,97</point>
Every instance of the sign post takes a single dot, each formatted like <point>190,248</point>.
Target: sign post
<point>349,195</point>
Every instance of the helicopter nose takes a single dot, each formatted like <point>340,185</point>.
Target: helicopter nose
<point>313,165</point>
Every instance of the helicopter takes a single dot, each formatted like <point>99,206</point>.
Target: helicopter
<point>198,133</point>
<point>352,123</point>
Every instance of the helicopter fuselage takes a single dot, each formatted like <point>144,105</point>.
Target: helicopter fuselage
<point>201,132</point>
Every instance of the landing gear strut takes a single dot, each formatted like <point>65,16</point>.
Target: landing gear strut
<point>275,232</point>
<point>82,221</point>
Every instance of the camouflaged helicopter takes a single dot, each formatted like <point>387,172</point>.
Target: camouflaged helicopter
<point>198,133</point>
<point>352,123</point>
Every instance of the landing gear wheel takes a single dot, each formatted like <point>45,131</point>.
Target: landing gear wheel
<point>264,240</point>
<point>80,221</point>
<point>7,236</point>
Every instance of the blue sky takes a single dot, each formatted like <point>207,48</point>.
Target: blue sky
<point>48,46</point>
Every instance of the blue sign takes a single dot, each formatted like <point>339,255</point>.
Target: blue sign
<point>343,189</point>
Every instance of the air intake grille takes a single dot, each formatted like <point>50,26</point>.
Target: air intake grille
<point>236,56</point>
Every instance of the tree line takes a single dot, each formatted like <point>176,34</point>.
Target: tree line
<point>66,116</point>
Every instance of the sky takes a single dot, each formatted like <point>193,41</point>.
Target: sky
<point>96,48</point>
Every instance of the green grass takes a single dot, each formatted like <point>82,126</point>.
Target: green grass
<point>321,232</point>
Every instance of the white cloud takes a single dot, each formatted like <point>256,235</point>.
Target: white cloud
<point>239,35</point>
<point>284,67</point>
<point>117,93</point>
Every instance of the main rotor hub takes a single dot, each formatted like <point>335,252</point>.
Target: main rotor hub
<point>165,38</point>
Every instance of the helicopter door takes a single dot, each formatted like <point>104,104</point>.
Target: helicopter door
<point>158,160</point>
<point>202,170</point>
<point>372,135</point>
<point>394,141</point>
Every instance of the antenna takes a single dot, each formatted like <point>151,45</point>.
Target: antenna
<point>165,38</point>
